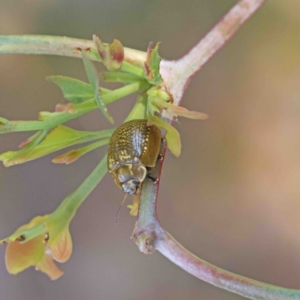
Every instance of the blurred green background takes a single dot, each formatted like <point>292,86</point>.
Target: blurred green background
<point>232,198</point>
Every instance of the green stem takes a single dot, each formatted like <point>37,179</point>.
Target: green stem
<point>126,90</point>
<point>55,45</point>
<point>30,233</point>
<point>139,110</point>
<point>130,68</point>
<point>82,108</point>
<point>51,122</point>
<point>72,202</point>
<point>117,76</point>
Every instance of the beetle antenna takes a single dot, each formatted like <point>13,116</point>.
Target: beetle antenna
<point>117,213</point>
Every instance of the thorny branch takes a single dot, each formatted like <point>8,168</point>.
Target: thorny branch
<point>148,234</point>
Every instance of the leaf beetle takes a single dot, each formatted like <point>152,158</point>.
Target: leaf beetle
<point>133,150</point>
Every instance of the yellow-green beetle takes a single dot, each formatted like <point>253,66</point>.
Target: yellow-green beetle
<point>133,150</point>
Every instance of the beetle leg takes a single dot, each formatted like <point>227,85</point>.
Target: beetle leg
<point>154,180</point>
<point>160,157</point>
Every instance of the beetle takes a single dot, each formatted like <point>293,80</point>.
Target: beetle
<point>133,150</point>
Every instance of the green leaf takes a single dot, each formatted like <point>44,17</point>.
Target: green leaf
<point>74,90</point>
<point>92,75</point>
<point>75,154</point>
<point>172,135</point>
<point>59,138</point>
<point>51,120</point>
<point>152,66</point>
<point>11,158</point>
<point>175,110</point>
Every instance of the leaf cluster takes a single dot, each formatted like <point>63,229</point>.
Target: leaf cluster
<point>51,135</point>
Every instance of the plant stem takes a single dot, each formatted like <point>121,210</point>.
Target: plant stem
<point>130,68</point>
<point>118,76</point>
<point>177,74</point>
<point>148,234</point>
<point>55,45</point>
<point>72,202</point>
<point>209,273</point>
<point>82,108</point>
<point>126,90</point>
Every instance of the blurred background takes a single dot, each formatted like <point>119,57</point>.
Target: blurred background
<point>233,196</point>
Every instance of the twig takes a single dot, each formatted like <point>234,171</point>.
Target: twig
<point>177,74</point>
<point>148,234</point>
<point>56,45</point>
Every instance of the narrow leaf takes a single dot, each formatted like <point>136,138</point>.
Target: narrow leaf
<point>172,136</point>
<point>183,112</point>
<point>51,120</point>
<point>74,90</point>
<point>59,138</point>
<point>176,110</point>
<point>152,65</point>
<point>73,155</point>
<point>94,81</point>
<point>11,158</point>
<point>29,140</point>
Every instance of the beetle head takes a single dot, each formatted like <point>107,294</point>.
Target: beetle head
<point>129,177</point>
